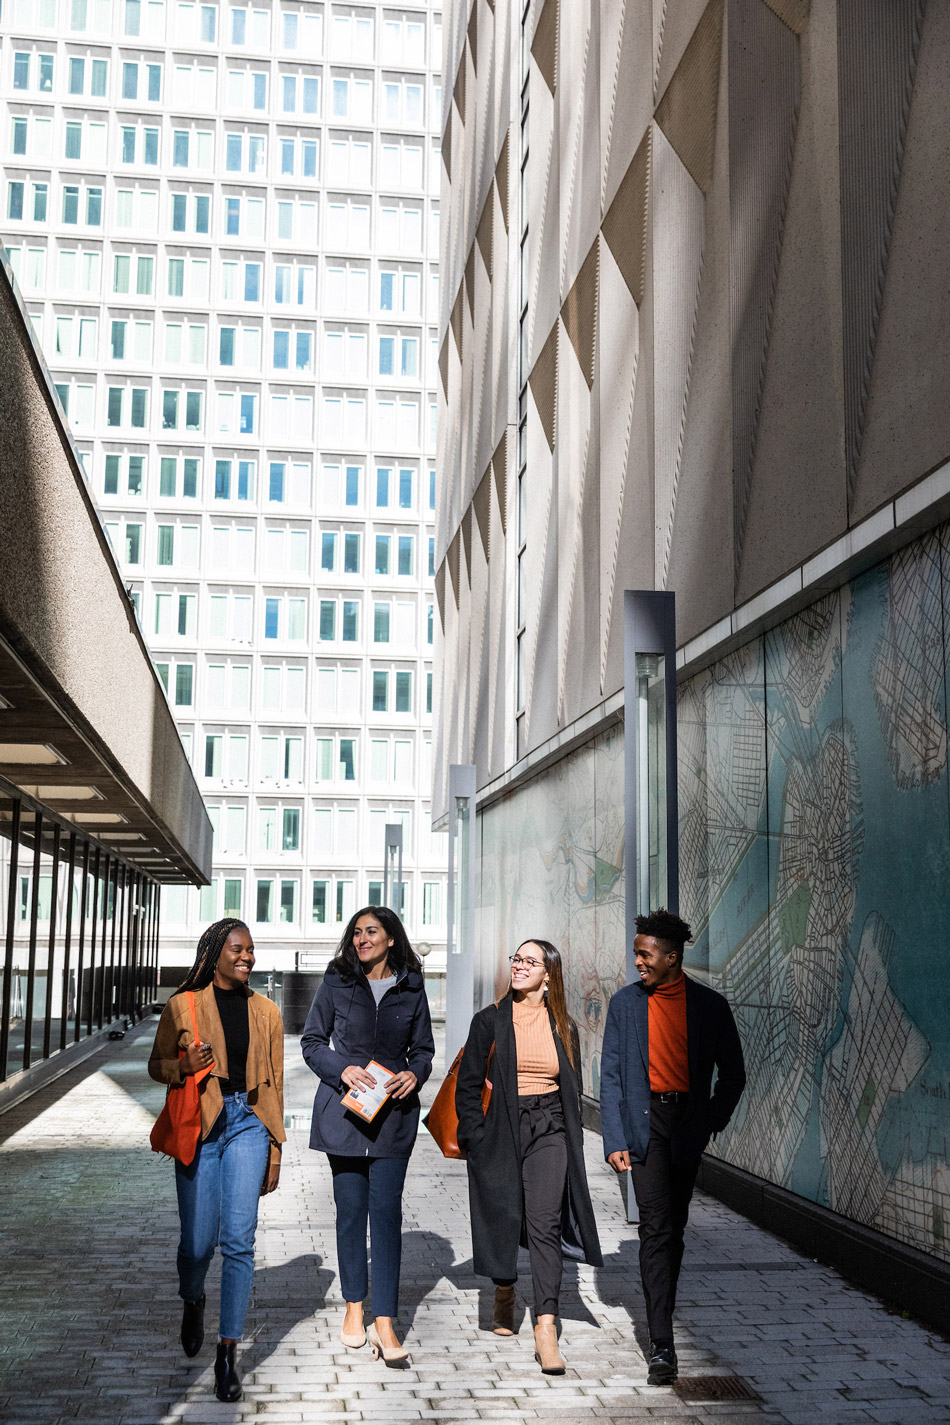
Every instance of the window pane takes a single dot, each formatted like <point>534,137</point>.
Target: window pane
<point>291,829</point>
<point>380,691</point>
<point>320,902</point>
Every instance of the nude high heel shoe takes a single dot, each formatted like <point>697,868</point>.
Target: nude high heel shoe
<point>352,1339</point>
<point>546,1351</point>
<point>392,1355</point>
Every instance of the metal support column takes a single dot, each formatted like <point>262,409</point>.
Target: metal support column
<point>67,940</point>
<point>652,831</point>
<point>34,916</point>
<point>8,948</point>
<point>91,1007</point>
<point>650,809</point>
<point>83,903</point>
<point>51,953</point>
<point>460,910</point>
<point>392,868</point>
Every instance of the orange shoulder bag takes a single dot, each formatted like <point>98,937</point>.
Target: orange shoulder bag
<point>177,1128</point>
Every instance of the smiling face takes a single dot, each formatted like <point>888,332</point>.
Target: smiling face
<point>371,944</point>
<point>236,961</point>
<point>657,961</point>
<point>527,969</point>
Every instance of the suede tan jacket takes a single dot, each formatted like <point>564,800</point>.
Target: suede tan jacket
<point>265,1058</point>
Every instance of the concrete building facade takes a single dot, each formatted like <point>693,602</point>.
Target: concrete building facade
<point>99,810</point>
<point>696,337</point>
<point>224,220</point>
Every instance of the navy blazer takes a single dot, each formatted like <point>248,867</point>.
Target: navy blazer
<point>712,1042</point>
<point>345,1026</point>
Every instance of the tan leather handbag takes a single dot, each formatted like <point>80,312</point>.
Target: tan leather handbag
<point>442,1120</point>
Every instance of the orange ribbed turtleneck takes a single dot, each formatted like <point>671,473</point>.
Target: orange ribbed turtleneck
<point>669,1059</point>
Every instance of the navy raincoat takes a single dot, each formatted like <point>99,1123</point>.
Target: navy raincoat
<point>345,1027</point>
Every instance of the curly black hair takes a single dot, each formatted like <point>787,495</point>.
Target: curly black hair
<point>209,948</point>
<point>662,924</point>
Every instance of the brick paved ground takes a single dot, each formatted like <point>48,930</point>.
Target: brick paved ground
<point>90,1314</point>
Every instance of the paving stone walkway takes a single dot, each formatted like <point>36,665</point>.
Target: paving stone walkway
<point>89,1314</point>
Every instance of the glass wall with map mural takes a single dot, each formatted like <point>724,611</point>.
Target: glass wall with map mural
<point>814,806</point>
<point>550,864</point>
<point>815,869</point>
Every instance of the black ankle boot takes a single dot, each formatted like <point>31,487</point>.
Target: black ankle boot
<point>227,1382</point>
<point>193,1326</point>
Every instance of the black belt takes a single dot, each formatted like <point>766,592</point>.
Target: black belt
<point>669,1096</point>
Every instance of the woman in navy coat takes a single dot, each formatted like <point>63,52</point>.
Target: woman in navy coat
<point>371,1005</point>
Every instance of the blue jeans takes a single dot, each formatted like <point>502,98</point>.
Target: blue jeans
<point>218,1196</point>
<point>369,1188</point>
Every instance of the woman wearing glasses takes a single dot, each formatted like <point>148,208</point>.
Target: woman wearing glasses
<point>526,1172</point>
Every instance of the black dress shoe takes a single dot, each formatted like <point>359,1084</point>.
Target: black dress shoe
<point>663,1365</point>
<point>193,1326</point>
<point>227,1382</point>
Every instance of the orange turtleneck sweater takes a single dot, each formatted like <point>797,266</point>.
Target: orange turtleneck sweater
<point>535,1049</point>
<point>669,1060</point>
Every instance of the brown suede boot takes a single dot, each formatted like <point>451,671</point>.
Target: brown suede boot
<point>546,1351</point>
<point>503,1318</point>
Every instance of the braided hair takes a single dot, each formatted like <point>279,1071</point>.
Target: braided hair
<point>209,948</point>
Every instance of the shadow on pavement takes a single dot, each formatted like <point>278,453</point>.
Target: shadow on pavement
<point>428,1259</point>
<point>617,1283</point>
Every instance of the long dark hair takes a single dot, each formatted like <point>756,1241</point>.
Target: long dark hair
<point>555,997</point>
<point>346,962</point>
<point>209,948</point>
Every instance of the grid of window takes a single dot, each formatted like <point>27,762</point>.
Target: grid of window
<point>226,222</point>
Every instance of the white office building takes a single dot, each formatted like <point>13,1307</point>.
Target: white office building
<point>224,221</point>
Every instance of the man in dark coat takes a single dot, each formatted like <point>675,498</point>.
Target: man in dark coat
<point>663,1037</point>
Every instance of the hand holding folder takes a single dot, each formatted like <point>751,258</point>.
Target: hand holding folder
<point>369,1088</point>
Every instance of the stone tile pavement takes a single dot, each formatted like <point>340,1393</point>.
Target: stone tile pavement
<point>89,1314</point>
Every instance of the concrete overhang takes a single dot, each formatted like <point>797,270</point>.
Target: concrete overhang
<point>85,728</point>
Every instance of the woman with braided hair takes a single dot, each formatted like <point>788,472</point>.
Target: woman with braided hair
<point>241,1039</point>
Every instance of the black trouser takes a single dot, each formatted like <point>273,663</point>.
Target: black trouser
<point>663,1189</point>
<point>543,1173</point>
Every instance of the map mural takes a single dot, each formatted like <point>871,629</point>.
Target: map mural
<point>814,803</point>
<point>815,865</point>
<point>550,860</point>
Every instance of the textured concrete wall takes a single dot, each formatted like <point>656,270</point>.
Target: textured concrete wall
<point>63,608</point>
<point>736,340</point>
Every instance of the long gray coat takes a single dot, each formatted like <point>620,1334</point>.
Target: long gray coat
<point>493,1143</point>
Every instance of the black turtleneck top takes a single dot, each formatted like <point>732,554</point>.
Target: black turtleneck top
<point>232,1009</point>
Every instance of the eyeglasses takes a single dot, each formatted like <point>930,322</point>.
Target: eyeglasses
<point>528,964</point>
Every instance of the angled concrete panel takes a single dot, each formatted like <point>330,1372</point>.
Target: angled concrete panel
<point>764,98</point>
<point>626,87</point>
<point>878,44</point>
<point>687,111</point>
<point>625,223</point>
<point>679,234</point>
<point>908,423</point>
